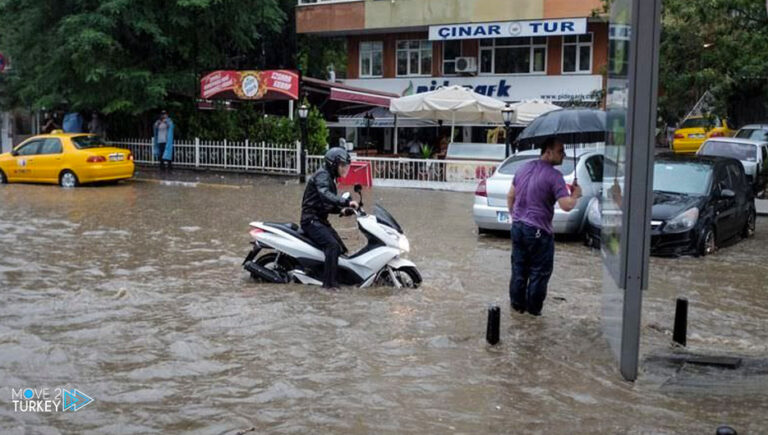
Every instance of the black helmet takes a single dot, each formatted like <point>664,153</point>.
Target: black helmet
<point>334,157</point>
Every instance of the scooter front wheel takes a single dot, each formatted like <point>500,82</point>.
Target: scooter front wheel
<point>407,277</point>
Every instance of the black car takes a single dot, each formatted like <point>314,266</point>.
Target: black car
<point>699,203</point>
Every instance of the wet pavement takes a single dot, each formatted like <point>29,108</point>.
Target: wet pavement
<point>134,294</point>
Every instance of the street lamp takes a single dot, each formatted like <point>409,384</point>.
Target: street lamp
<point>506,115</point>
<point>368,121</point>
<point>303,113</point>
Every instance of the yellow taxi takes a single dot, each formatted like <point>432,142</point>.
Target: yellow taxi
<point>67,159</point>
<point>695,130</point>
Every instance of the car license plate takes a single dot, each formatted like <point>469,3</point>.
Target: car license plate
<point>503,217</point>
<point>116,157</point>
<point>696,136</point>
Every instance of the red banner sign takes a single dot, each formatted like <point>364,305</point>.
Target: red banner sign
<point>251,85</point>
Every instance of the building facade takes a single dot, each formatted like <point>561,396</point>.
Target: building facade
<point>513,50</point>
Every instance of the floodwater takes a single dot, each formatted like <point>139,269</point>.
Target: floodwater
<point>134,294</point>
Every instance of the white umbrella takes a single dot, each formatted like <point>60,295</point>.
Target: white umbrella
<point>453,103</point>
<point>527,111</point>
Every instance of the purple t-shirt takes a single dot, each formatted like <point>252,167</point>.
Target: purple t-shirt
<point>538,185</point>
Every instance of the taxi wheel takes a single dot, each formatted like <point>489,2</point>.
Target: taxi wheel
<point>68,179</point>
<point>3,178</point>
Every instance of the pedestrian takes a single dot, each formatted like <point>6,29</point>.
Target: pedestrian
<point>163,141</point>
<point>51,123</point>
<point>536,188</point>
<point>96,126</point>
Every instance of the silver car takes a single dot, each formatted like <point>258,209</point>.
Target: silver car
<point>757,132</point>
<point>753,155</point>
<point>490,209</point>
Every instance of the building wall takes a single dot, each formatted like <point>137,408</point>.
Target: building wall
<point>365,15</point>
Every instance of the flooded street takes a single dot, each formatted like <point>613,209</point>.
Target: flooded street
<point>134,294</point>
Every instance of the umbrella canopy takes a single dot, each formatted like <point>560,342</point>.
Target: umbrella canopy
<point>452,103</point>
<point>527,111</point>
<point>571,126</point>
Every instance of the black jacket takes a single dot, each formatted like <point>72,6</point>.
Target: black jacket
<point>321,198</point>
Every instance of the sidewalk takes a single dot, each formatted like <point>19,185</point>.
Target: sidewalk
<point>762,207</point>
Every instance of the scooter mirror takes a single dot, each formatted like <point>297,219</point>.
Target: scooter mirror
<point>358,188</point>
<point>346,195</point>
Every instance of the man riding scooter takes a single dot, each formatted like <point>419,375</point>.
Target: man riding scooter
<point>320,199</point>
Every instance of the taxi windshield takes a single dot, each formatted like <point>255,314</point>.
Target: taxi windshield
<point>83,142</point>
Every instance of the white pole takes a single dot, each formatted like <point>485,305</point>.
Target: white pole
<point>395,134</point>
<point>453,125</point>
<point>290,110</point>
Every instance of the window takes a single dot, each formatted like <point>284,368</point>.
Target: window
<point>414,58</point>
<point>29,148</point>
<point>50,146</point>
<point>753,133</point>
<point>451,50</point>
<point>513,55</point>
<point>577,53</point>
<point>370,58</point>
<point>594,167</point>
<point>736,150</point>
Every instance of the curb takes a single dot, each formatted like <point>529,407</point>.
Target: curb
<point>189,183</point>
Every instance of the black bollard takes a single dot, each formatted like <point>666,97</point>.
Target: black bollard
<point>681,322</point>
<point>494,323</point>
<point>725,430</point>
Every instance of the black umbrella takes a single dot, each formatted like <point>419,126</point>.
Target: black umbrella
<point>570,126</point>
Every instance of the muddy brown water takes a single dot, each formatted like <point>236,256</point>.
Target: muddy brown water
<point>134,294</point>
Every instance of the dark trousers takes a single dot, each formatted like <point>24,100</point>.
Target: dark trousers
<point>163,162</point>
<point>533,256</point>
<point>327,238</point>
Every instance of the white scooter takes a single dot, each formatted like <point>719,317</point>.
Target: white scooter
<point>294,257</point>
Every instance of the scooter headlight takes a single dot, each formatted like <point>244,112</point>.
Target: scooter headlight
<point>404,244</point>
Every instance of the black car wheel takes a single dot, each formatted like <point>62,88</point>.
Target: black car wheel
<point>749,227</point>
<point>3,179</point>
<point>707,243</point>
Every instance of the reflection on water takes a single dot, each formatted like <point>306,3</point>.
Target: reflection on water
<point>134,294</point>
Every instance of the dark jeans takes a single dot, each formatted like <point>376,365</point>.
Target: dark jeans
<point>163,162</point>
<point>327,238</point>
<point>533,255</point>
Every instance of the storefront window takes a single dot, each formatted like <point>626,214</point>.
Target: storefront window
<point>513,55</point>
<point>370,58</point>
<point>414,58</point>
<point>451,50</point>
<point>577,53</point>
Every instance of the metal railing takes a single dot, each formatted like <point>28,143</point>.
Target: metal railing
<point>234,155</point>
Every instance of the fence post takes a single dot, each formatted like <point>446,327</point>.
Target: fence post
<point>298,157</point>
<point>197,152</point>
<point>246,154</point>
<point>225,153</point>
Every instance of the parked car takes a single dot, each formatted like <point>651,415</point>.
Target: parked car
<point>752,154</point>
<point>490,209</point>
<point>695,130</point>
<point>699,203</point>
<point>66,159</point>
<point>753,131</point>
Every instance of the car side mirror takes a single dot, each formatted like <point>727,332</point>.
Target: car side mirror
<point>358,188</point>
<point>727,193</point>
<point>14,153</point>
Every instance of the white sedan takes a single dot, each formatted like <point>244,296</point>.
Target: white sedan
<point>490,209</point>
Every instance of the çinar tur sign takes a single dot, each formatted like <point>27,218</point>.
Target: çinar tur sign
<point>508,29</point>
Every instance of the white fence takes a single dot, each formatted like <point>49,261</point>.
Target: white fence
<point>456,175</point>
<point>233,155</point>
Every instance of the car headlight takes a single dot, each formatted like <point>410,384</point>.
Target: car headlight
<point>683,222</point>
<point>593,214</point>
<point>404,244</point>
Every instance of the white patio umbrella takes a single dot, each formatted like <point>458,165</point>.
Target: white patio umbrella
<point>452,103</point>
<point>528,110</point>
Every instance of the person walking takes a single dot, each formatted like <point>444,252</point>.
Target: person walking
<point>531,199</point>
<point>163,140</point>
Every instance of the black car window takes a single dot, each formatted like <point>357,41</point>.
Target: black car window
<point>29,148</point>
<point>685,177</point>
<point>50,146</point>
<point>737,178</point>
<point>594,166</point>
<point>723,179</point>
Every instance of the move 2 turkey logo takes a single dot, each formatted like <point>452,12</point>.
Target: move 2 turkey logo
<point>48,400</point>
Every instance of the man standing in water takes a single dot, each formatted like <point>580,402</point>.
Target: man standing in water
<point>531,200</point>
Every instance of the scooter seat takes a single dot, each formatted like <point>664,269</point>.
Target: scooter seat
<point>293,230</point>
